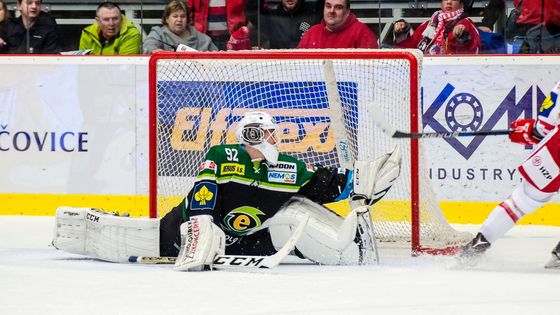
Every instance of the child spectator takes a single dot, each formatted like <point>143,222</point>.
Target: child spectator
<point>448,31</point>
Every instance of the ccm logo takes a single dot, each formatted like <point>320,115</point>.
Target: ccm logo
<point>92,217</point>
<point>246,261</point>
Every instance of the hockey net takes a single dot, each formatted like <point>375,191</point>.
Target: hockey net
<point>196,100</point>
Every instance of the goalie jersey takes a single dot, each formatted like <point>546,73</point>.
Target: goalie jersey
<point>241,195</point>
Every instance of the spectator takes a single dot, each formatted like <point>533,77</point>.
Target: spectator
<point>494,14</point>
<point>492,28</point>
<point>4,14</point>
<point>34,32</point>
<point>339,29</point>
<point>448,31</point>
<point>532,13</point>
<point>542,39</point>
<point>216,19</point>
<point>176,31</point>
<point>282,27</point>
<point>112,34</point>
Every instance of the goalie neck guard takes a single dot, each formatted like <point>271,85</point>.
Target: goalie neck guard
<point>252,131</point>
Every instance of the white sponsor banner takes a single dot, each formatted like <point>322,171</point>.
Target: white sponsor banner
<point>69,125</point>
<point>480,93</point>
<point>79,125</point>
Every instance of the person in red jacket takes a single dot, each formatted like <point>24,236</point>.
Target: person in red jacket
<point>533,13</point>
<point>448,31</point>
<point>339,29</point>
<point>217,19</point>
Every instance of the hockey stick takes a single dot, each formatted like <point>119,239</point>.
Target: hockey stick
<point>238,261</point>
<point>451,134</point>
<point>381,122</point>
<point>345,156</point>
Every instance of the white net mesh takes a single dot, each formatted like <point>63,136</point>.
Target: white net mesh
<point>198,101</point>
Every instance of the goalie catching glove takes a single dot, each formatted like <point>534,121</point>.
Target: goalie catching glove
<point>373,179</point>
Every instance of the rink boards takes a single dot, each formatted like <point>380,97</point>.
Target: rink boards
<point>73,131</point>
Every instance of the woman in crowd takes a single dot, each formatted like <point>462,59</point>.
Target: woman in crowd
<point>4,14</point>
<point>176,31</point>
<point>448,31</point>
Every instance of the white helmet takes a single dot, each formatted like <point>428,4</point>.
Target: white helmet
<point>251,132</point>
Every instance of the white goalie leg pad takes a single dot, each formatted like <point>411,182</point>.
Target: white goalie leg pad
<point>70,230</point>
<point>372,179</point>
<point>327,239</point>
<point>105,236</point>
<point>201,242</point>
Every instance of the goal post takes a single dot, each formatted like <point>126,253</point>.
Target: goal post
<point>197,98</point>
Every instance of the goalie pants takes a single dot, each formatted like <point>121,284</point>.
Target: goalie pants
<point>170,239</point>
<point>327,239</point>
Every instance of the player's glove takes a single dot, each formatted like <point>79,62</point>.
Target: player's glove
<point>523,132</point>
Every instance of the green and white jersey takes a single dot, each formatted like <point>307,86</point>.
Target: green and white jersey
<point>241,195</point>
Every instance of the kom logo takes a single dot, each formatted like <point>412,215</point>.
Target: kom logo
<point>465,112</point>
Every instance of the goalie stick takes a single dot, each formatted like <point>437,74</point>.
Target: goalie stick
<point>238,261</point>
<point>380,121</point>
<point>345,156</point>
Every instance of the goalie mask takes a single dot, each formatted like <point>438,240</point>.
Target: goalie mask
<point>254,130</point>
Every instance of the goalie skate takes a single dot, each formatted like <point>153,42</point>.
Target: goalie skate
<point>554,262</point>
<point>365,238</point>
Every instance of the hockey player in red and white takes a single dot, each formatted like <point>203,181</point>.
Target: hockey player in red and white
<point>541,174</point>
<point>249,200</point>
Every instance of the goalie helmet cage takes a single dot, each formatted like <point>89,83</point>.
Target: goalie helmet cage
<point>196,100</point>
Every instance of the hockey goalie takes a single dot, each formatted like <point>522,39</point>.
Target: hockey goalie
<point>249,200</point>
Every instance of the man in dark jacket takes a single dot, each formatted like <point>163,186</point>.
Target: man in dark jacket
<point>34,32</point>
<point>282,27</point>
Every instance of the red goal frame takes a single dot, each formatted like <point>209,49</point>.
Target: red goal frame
<point>414,77</point>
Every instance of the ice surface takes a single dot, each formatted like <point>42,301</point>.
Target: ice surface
<point>38,279</point>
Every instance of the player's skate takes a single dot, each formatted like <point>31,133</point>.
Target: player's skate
<point>554,262</point>
<point>471,253</point>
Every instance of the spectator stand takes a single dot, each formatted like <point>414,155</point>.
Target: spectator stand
<point>73,16</point>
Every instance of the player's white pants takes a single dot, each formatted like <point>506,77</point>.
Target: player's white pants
<point>105,236</point>
<point>327,239</point>
<point>525,199</point>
